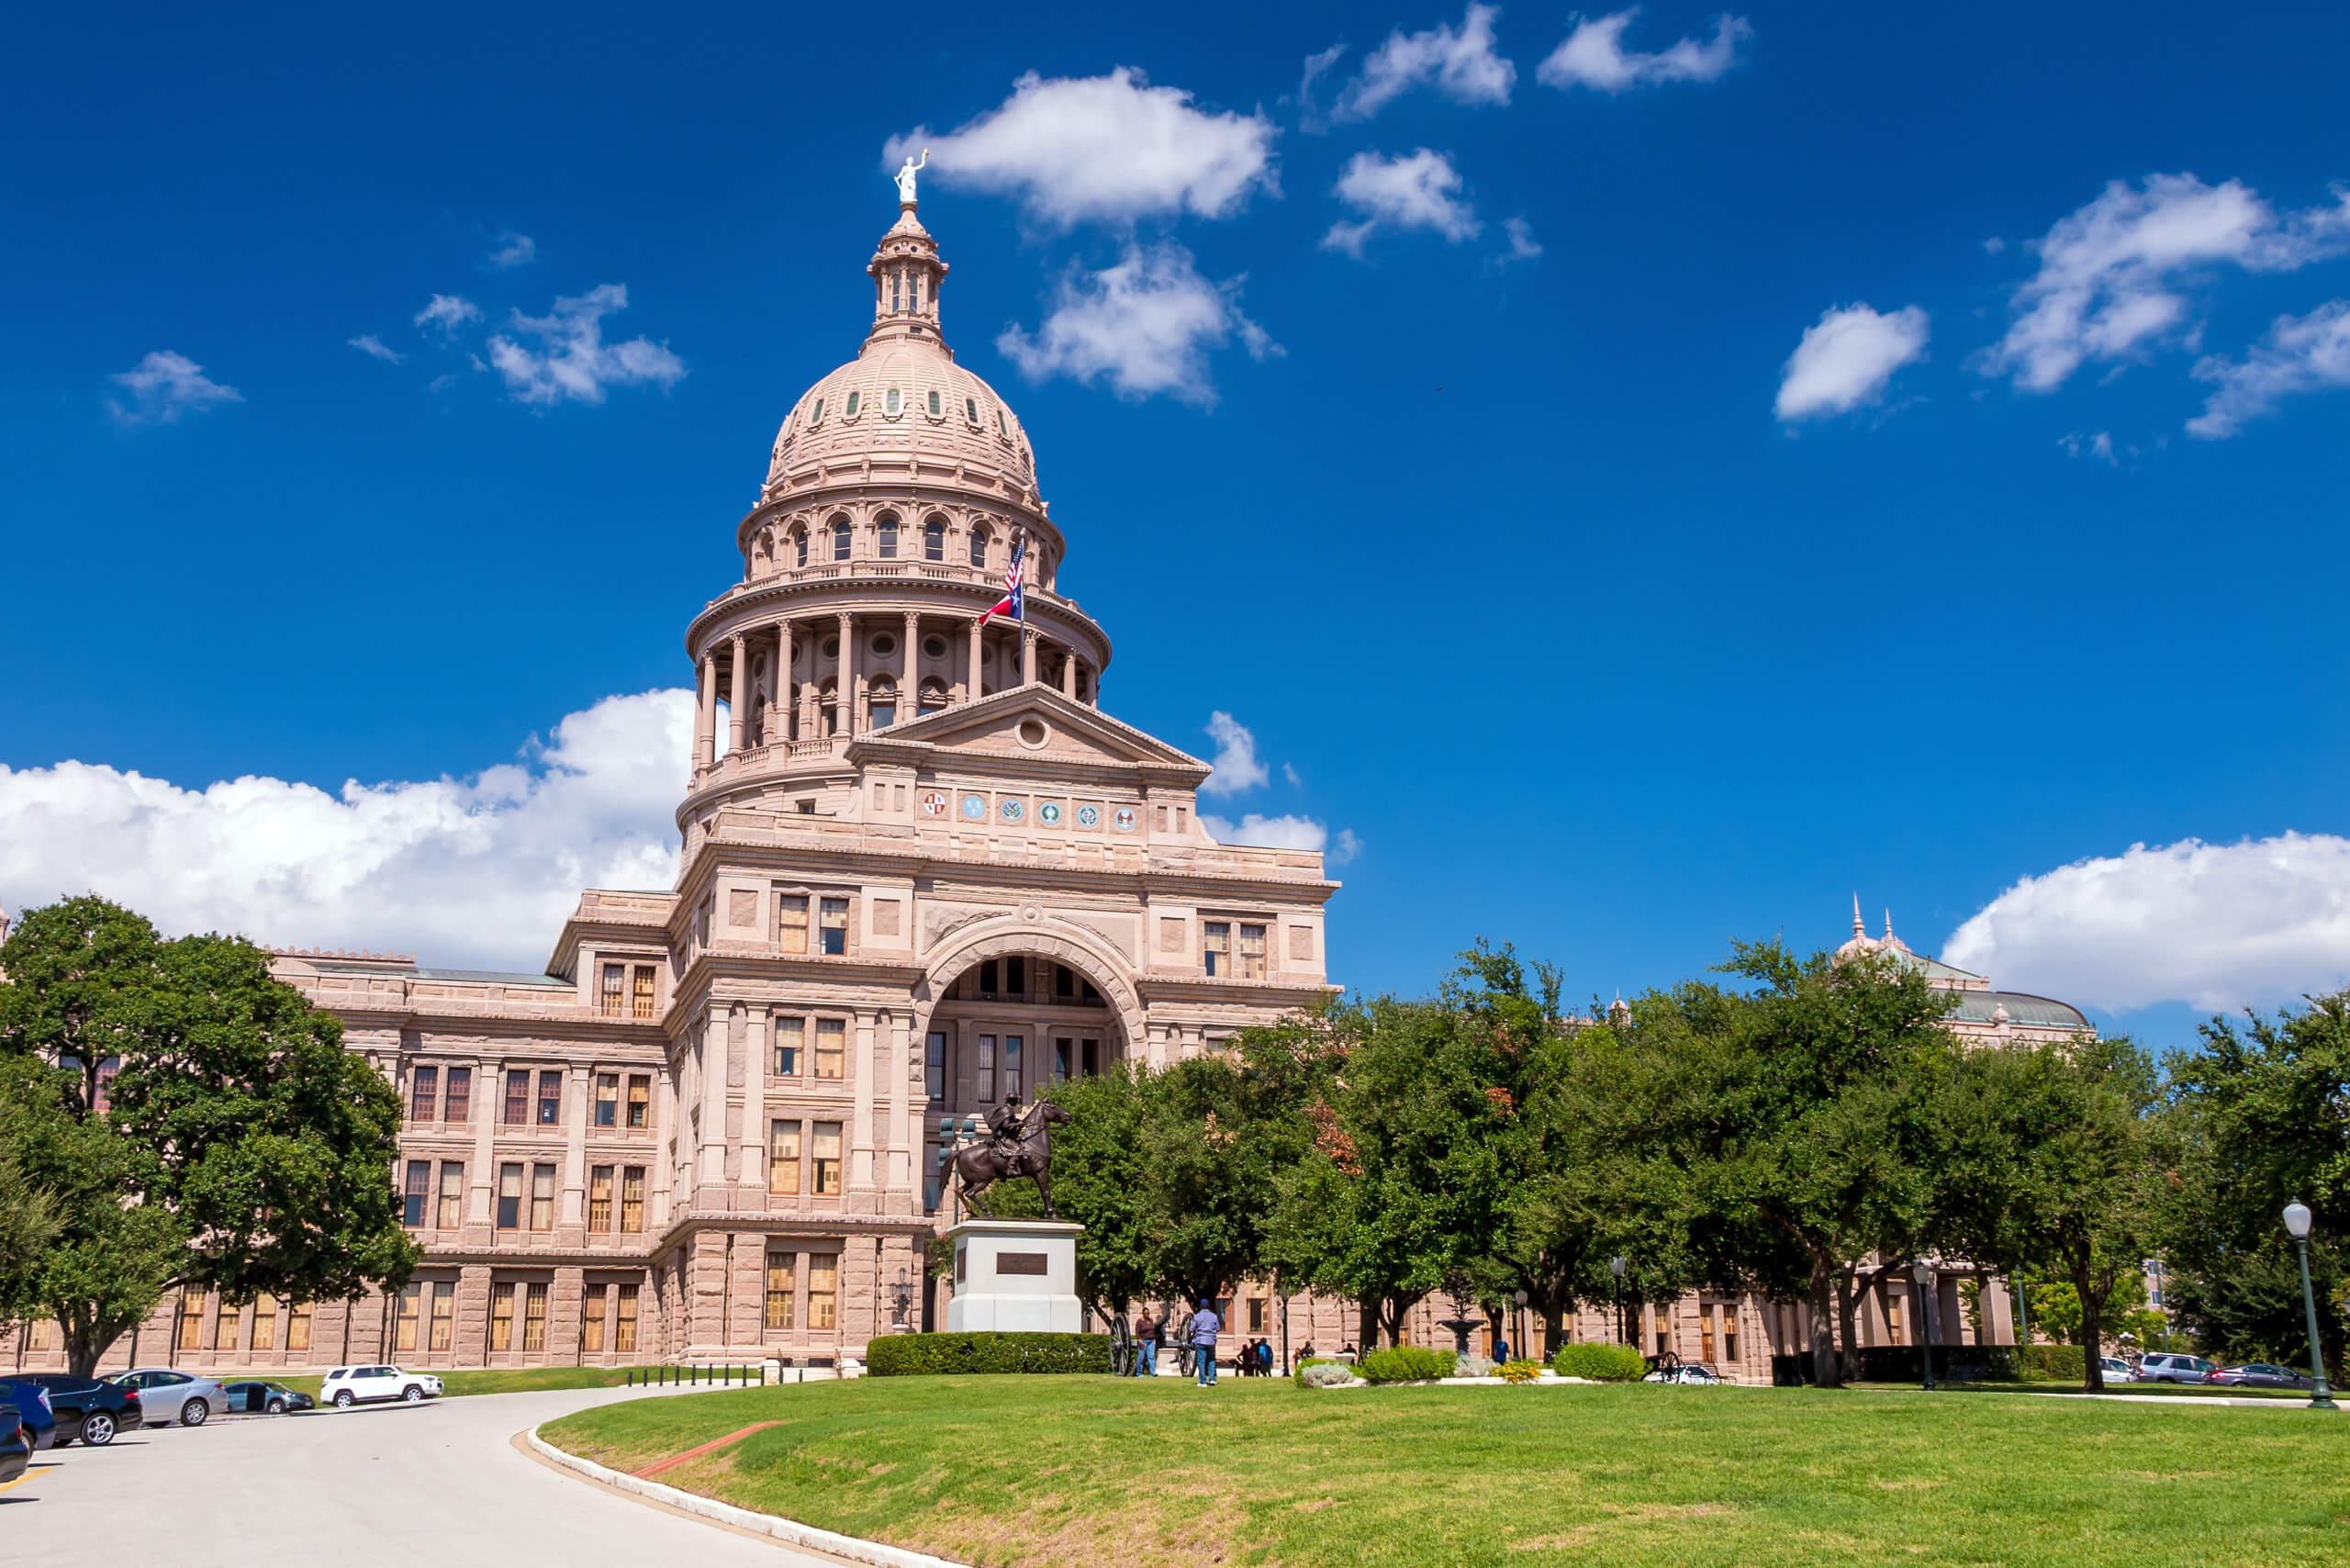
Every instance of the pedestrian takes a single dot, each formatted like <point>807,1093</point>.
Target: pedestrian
<point>1264,1358</point>
<point>1204,1326</point>
<point>1501,1348</point>
<point>1147,1337</point>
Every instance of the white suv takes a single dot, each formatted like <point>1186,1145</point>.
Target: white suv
<point>347,1386</point>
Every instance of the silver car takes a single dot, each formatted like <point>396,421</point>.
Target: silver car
<point>167,1396</point>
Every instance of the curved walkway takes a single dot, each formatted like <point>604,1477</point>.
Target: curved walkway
<point>442,1483</point>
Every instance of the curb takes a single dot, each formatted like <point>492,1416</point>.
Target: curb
<point>789,1532</point>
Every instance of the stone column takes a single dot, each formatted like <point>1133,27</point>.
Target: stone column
<point>757,1045</point>
<point>488,1105</point>
<point>909,688</point>
<point>582,1097</point>
<point>706,713</point>
<point>904,1130</point>
<point>738,694</point>
<point>1068,673</point>
<point>782,721</point>
<point>845,680</point>
<point>858,1196</point>
<point>1027,656</point>
<point>978,641</point>
<point>710,1166</point>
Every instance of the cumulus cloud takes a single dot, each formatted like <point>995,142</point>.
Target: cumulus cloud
<point>165,386</point>
<point>1459,62</point>
<point>1278,833</point>
<point>1103,147</point>
<point>446,313</point>
<point>2112,274</point>
<point>2300,353</point>
<point>372,346</point>
<point>466,872</point>
<point>513,251</point>
<point>2098,446</point>
<point>1237,767</point>
<point>1522,246</point>
<point>1593,55</point>
<point>1418,191</point>
<point>1145,324</point>
<point>1847,357</point>
<point>572,360</point>
<point>2215,925</point>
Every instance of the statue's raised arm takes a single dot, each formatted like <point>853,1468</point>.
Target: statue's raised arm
<point>906,178</point>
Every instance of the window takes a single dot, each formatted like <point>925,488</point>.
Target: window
<point>933,536</point>
<point>1219,947</point>
<point>424,1094</point>
<point>599,1199</point>
<point>816,412</point>
<point>1064,982</point>
<point>1015,976</point>
<point>832,1046</point>
<point>518,1098</point>
<point>984,1079</point>
<point>783,1162</point>
<point>420,1182</point>
<point>936,407</point>
<point>509,1197</point>
<point>798,546</point>
<point>886,533</point>
<point>550,1099</point>
<point>1664,1329</point>
<point>987,977</point>
<point>1003,426</point>
<point>1730,1332</point>
<point>1064,1062</point>
<point>889,402</point>
<point>640,1101</point>
<point>828,1161</point>
<point>632,1199</point>
<point>1256,1315</point>
<point>615,989</point>
<point>591,1319</point>
<point>781,1267</point>
<point>840,539</point>
<point>624,1320</point>
<point>534,1318</point>
<point>452,1196</point>
<point>1707,1315</point>
<point>109,1070</point>
<point>824,1277</point>
<point>265,1323</point>
<point>1893,1319</point>
<point>501,1315</point>
<point>541,1197</point>
<point>404,1321</point>
<point>979,547</point>
<point>644,1008</point>
<point>790,1039</point>
<point>1252,952</point>
<point>458,1108</point>
<point>607,1099</point>
<point>971,409</point>
<point>848,409</point>
<point>832,917</point>
<point>791,923</point>
<point>297,1326</point>
<point>1010,1065</point>
<point>935,1064</point>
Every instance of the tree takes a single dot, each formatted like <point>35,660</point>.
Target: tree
<point>1100,1181</point>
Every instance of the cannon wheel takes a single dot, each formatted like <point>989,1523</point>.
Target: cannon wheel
<point>1122,1348</point>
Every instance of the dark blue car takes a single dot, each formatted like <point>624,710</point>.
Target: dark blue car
<point>31,1401</point>
<point>87,1409</point>
<point>15,1445</point>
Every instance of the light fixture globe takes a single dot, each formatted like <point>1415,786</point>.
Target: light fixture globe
<point>2297,1221</point>
<point>1616,1267</point>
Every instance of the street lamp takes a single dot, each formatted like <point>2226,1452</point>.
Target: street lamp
<point>1924,1278</point>
<point>1520,1297</point>
<point>2296,1224</point>
<point>1616,1267</point>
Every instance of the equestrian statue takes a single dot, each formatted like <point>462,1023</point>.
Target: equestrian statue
<point>1019,1143</point>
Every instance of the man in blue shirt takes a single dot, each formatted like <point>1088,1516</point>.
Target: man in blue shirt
<point>1204,1325</point>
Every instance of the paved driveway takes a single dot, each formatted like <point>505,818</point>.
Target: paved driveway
<point>437,1484</point>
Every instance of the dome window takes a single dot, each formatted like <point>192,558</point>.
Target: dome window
<point>816,412</point>
<point>886,534</point>
<point>1000,423</point>
<point>936,408</point>
<point>889,404</point>
<point>799,547</point>
<point>934,536</point>
<point>840,539</point>
<point>850,412</point>
<point>979,547</point>
<point>971,409</point>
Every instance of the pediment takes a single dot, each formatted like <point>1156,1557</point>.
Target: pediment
<point>1031,726</point>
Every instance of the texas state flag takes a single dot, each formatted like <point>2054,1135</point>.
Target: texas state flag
<point>1015,602</point>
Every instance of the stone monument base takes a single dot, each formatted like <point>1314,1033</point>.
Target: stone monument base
<point>1016,1276</point>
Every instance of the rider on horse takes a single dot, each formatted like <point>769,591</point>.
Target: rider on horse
<point>1004,1121</point>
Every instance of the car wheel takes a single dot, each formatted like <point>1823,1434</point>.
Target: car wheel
<point>194,1413</point>
<point>342,1399</point>
<point>277,1407</point>
<point>412,1393</point>
<point>97,1428</point>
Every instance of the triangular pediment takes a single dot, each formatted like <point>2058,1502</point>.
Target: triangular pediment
<point>1029,726</point>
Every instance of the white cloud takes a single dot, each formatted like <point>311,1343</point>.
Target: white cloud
<point>513,251</point>
<point>370,345</point>
<point>1345,848</point>
<point>1593,55</point>
<point>446,313</point>
<point>2098,446</point>
<point>1459,62</point>
<point>1288,771</point>
<point>1145,324</point>
<point>1316,66</point>
<point>2112,274</point>
<point>1269,832</point>
<point>165,386</point>
<point>1522,246</point>
<point>1418,191</point>
<point>1847,357</point>
<point>2257,923</point>
<point>573,359</point>
<point>1103,147</point>
<point>466,872</point>
<point>2300,353</point>
<point>1237,767</point>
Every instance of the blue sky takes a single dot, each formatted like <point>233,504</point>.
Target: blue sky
<point>1619,599</point>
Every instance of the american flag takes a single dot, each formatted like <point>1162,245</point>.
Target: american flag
<point>1015,602</point>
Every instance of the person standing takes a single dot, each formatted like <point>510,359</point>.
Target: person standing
<point>1147,1337</point>
<point>1204,1326</point>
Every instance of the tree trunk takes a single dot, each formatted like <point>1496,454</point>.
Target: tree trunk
<point>1847,1358</point>
<point>1553,1329</point>
<point>1824,1368</point>
<point>2092,1332</point>
<point>1367,1336</point>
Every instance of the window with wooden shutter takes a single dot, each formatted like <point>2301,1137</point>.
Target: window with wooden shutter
<point>518,1098</point>
<point>607,1099</point>
<point>534,1318</point>
<point>624,1320</point>
<point>644,1008</point>
<point>640,1101</point>
<point>615,989</point>
<point>458,1108</point>
<point>827,1159</point>
<point>419,1180</point>
<point>265,1323</point>
<point>833,916</point>
<point>832,1040</point>
<point>501,1315</point>
<point>783,1159</point>
<point>591,1319</point>
<point>791,924</point>
<point>1252,952</point>
<point>541,1197</point>
<point>782,1267</point>
<point>297,1326</point>
<point>550,1099</point>
<point>632,1199</point>
<point>823,1288</point>
<point>453,1195</point>
<point>1216,948</point>
<point>599,1198</point>
<point>404,1321</point>
<point>424,1093</point>
<point>790,1039</point>
<point>444,1315</point>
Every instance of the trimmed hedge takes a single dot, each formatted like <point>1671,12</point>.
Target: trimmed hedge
<point>1600,1364</point>
<point>1953,1363</point>
<point>1405,1363</point>
<point>930,1355</point>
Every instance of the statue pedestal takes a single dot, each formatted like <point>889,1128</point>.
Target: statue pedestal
<point>1016,1276</point>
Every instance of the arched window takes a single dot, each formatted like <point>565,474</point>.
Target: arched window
<point>840,539</point>
<point>1000,423</point>
<point>936,406</point>
<point>934,536</point>
<point>816,412</point>
<point>798,546</point>
<point>889,403</point>
<point>849,412</point>
<point>979,547</point>
<point>971,409</point>
<point>882,704</point>
<point>934,695</point>
<point>896,289</point>
<point>886,535</point>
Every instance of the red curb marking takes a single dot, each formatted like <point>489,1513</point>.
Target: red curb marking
<point>675,1460</point>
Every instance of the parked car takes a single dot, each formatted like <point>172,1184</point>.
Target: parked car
<point>2256,1374</point>
<point>15,1448</point>
<point>167,1396</point>
<point>88,1410</point>
<point>2116,1370</point>
<point>31,1401</point>
<point>2170,1367</point>
<point>347,1386</point>
<point>1686,1372</point>
<point>268,1398</point>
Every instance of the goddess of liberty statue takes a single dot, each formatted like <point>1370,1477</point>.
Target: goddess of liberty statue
<point>905,178</point>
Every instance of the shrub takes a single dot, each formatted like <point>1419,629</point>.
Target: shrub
<point>1473,1365</point>
<point>1324,1374</point>
<point>1520,1371</point>
<point>922,1355</point>
<point>1405,1363</point>
<point>1297,1373</point>
<point>1600,1364</point>
<point>1959,1363</point>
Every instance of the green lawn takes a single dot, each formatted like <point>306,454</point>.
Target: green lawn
<point>1073,1471</point>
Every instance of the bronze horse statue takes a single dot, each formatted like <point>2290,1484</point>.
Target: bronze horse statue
<point>979,1166</point>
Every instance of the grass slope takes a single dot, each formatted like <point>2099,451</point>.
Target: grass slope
<point>1045,1472</point>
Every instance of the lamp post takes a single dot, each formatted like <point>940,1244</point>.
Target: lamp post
<point>1616,1267</point>
<point>1520,1297</point>
<point>1924,1279</point>
<point>2296,1224</point>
